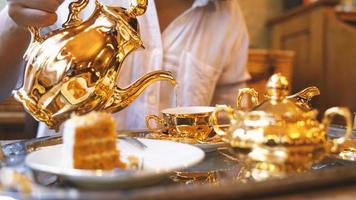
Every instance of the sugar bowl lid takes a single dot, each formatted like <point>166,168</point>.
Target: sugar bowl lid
<point>277,103</point>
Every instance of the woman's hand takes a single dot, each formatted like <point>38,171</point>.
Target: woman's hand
<point>39,13</point>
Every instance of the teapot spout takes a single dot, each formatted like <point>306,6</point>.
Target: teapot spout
<point>124,97</point>
<point>302,98</point>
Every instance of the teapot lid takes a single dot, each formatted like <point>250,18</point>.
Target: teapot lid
<point>276,102</point>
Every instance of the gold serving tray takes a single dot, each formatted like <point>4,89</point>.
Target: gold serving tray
<point>222,173</point>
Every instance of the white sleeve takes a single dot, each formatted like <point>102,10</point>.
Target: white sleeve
<point>234,74</point>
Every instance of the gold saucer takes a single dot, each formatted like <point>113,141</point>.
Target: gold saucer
<point>161,136</point>
<point>348,154</point>
<point>348,151</point>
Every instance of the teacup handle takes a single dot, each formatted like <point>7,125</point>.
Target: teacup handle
<point>214,118</point>
<point>159,121</point>
<point>327,119</point>
<point>74,9</point>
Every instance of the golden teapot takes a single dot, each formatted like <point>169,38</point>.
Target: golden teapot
<point>282,130</point>
<point>75,68</point>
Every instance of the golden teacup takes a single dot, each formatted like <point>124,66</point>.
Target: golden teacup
<point>186,122</point>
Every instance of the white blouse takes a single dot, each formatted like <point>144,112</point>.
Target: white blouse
<point>205,47</point>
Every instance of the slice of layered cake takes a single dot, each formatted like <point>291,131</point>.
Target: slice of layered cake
<point>89,142</point>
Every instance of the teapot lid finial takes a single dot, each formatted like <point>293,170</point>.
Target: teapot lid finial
<point>277,87</point>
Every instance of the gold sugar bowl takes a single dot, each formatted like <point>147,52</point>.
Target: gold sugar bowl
<point>282,133</point>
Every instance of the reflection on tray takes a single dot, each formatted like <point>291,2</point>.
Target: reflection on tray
<point>161,136</point>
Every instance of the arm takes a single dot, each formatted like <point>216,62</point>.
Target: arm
<point>14,37</point>
<point>235,74</point>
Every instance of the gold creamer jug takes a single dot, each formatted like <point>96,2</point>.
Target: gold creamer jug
<point>75,68</point>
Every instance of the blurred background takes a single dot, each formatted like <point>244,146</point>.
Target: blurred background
<point>312,42</point>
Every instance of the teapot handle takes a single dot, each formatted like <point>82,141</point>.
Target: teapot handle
<point>214,118</point>
<point>35,34</point>
<point>137,8</point>
<point>74,10</point>
<point>327,119</point>
<point>242,93</point>
<point>73,18</point>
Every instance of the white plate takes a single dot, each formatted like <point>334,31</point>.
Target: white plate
<point>159,159</point>
<point>210,147</point>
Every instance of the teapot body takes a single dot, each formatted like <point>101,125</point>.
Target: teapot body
<point>75,68</point>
